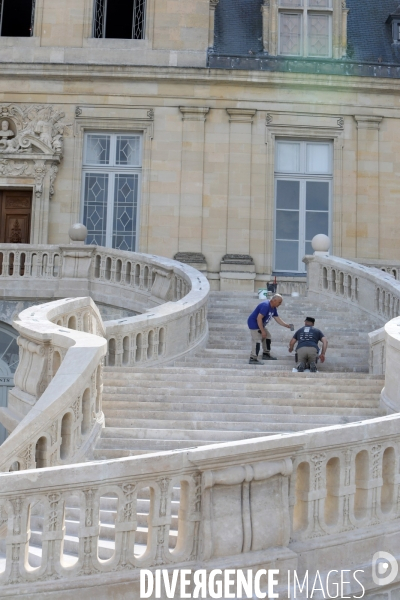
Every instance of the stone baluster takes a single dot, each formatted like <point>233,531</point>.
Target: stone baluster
<point>89,533</point>
<point>17,264</point>
<point>126,526</point>
<point>376,481</point>
<point>103,267</point>
<point>6,262</point>
<point>161,519</point>
<point>17,541</point>
<point>347,491</point>
<point>145,345</point>
<point>318,493</point>
<point>53,533</point>
<point>141,277</point>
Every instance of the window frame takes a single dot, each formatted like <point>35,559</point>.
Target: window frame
<point>303,176</point>
<point>104,24</point>
<point>33,20</point>
<point>112,169</point>
<point>304,11</point>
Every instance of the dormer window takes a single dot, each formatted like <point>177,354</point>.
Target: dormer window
<point>305,28</point>
<point>394,20</point>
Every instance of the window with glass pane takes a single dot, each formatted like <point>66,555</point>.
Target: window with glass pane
<point>111,189</point>
<point>287,225</point>
<point>303,174</point>
<point>290,34</point>
<point>305,32</point>
<point>318,35</point>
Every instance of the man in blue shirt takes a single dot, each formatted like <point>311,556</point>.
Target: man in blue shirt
<point>259,334</point>
<point>307,339</point>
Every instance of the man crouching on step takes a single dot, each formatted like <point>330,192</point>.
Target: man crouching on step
<point>259,334</point>
<point>307,339</point>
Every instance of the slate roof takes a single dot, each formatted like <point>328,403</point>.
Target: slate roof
<point>238,27</point>
<point>238,31</point>
<point>369,36</point>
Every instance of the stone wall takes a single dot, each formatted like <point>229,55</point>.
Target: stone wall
<point>364,222</point>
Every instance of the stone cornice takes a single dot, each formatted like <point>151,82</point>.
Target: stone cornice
<point>194,113</point>
<point>233,76</point>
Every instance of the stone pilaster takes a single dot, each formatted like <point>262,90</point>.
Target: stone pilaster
<point>265,21</point>
<point>367,217</point>
<point>211,28</point>
<point>239,186</point>
<point>192,175</point>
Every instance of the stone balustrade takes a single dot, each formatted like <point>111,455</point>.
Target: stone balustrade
<point>392,267</point>
<point>172,297</point>
<point>54,411</point>
<point>289,500</point>
<point>370,289</point>
<point>248,503</point>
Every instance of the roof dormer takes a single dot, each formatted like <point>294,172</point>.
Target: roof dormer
<point>394,20</point>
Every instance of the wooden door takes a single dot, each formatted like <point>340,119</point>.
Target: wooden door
<point>15,211</point>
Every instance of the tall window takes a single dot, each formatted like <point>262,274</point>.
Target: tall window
<point>111,184</point>
<point>17,17</point>
<point>124,19</point>
<point>305,28</point>
<point>303,190</point>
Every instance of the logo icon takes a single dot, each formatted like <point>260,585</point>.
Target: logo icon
<point>384,568</point>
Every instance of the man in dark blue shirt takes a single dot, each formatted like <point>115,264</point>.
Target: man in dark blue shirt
<point>307,339</point>
<point>260,335</point>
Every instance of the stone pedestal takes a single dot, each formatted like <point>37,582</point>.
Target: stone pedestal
<point>237,274</point>
<point>76,265</point>
<point>193,259</point>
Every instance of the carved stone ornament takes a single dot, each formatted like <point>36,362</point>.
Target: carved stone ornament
<point>237,259</point>
<point>34,128</point>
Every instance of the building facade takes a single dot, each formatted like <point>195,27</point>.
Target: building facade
<point>226,133</point>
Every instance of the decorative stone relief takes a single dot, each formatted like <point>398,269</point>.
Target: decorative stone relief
<point>31,147</point>
<point>31,128</point>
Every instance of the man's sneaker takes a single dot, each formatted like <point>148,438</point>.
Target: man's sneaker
<point>267,356</point>
<point>313,367</point>
<point>255,361</point>
<point>301,367</point>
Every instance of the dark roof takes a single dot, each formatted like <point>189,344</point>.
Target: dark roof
<point>369,36</point>
<point>238,27</point>
<point>238,33</point>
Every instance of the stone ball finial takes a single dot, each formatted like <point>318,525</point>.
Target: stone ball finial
<point>78,232</point>
<point>321,243</point>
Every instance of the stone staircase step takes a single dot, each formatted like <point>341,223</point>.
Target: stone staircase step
<point>216,396</point>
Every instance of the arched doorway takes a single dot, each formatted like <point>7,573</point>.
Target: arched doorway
<point>9,357</point>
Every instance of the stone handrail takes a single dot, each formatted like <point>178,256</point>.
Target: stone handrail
<point>368,288</point>
<point>171,296</point>
<point>388,266</point>
<point>247,503</point>
<point>54,410</point>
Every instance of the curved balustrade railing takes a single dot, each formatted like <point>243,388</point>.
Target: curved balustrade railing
<point>171,297</point>
<point>245,503</point>
<point>368,288</point>
<point>54,411</point>
<point>292,498</point>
